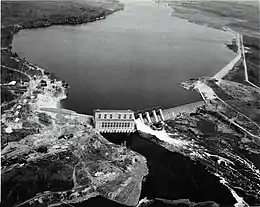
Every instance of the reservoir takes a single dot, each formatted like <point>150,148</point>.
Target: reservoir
<point>133,59</point>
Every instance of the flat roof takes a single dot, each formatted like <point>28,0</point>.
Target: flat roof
<point>113,111</point>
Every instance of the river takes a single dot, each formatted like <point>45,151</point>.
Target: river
<point>133,59</point>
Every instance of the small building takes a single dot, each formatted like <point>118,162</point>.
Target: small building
<point>114,121</point>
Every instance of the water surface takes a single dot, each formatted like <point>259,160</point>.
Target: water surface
<point>133,59</point>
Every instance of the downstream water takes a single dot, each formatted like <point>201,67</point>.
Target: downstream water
<point>133,59</point>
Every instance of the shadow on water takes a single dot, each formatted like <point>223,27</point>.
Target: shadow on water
<point>172,175</point>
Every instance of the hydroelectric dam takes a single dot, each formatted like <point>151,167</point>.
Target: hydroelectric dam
<point>123,121</point>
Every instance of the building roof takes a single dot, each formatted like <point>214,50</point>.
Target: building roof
<point>114,111</point>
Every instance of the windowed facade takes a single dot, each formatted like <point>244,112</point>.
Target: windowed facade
<point>108,121</point>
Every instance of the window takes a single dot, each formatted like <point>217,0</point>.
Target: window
<point>99,116</point>
<point>105,116</point>
<point>111,115</point>
<point>103,125</point>
<point>119,116</point>
<point>125,116</point>
<point>130,116</point>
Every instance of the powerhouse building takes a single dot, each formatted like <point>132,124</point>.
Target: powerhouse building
<point>114,121</point>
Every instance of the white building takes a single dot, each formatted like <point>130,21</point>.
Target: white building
<point>114,121</point>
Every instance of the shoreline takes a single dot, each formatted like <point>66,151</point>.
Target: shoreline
<point>43,23</point>
<point>72,24</point>
<point>43,69</point>
<point>167,5</point>
<point>11,30</point>
<point>35,121</point>
<point>239,44</point>
<point>211,14</point>
<point>18,27</point>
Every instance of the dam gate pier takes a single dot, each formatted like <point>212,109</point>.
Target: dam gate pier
<point>123,121</point>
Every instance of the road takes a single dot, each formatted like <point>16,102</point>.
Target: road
<point>207,100</point>
<point>240,54</point>
<point>8,68</point>
<point>224,71</point>
<point>242,49</point>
